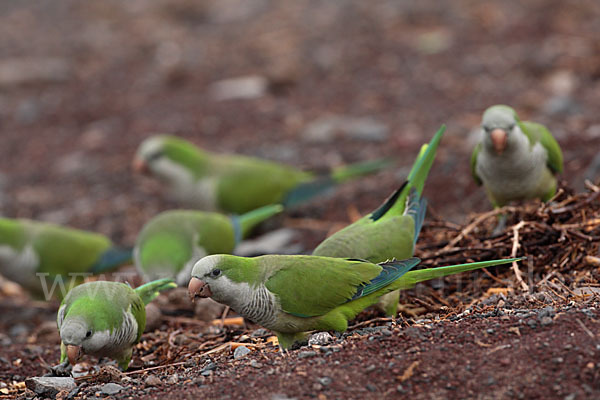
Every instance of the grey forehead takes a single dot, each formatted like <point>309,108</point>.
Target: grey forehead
<point>498,117</point>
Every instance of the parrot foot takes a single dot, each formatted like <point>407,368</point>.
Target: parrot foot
<point>501,226</point>
<point>62,369</point>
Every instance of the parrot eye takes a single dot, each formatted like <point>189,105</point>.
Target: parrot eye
<point>88,334</point>
<point>154,156</point>
<point>216,272</point>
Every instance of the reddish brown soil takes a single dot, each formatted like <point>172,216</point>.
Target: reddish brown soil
<point>111,73</point>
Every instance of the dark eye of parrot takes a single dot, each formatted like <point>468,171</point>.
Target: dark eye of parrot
<point>216,272</point>
<point>154,156</point>
<point>88,334</point>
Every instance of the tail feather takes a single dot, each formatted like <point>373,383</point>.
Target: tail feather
<point>416,207</point>
<point>351,171</point>
<point>420,170</point>
<point>244,223</point>
<point>411,278</point>
<point>111,259</point>
<point>149,291</point>
<point>388,203</point>
<point>392,270</point>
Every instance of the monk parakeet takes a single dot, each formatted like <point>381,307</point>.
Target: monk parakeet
<point>234,183</point>
<point>392,230</point>
<point>515,160</point>
<point>295,294</point>
<point>105,319</point>
<point>43,257</point>
<point>170,243</point>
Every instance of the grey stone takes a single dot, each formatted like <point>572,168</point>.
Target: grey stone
<point>255,364</point>
<point>240,88</point>
<point>325,381</point>
<point>371,388</point>
<point>325,129</point>
<point>240,352</point>
<point>320,338</point>
<point>152,380</point>
<point>279,241</point>
<point>111,388</point>
<point>50,386</point>
<point>306,354</point>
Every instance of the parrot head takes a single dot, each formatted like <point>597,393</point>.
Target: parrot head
<point>222,277</point>
<point>498,124</point>
<point>81,331</point>
<point>168,158</point>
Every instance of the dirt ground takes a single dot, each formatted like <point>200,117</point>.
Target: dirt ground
<point>82,83</point>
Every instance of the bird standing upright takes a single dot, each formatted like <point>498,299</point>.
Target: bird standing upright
<point>392,230</point>
<point>515,160</point>
<point>233,183</point>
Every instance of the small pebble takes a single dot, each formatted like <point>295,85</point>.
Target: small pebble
<point>152,380</point>
<point>240,352</point>
<point>306,354</point>
<point>371,388</point>
<point>325,381</point>
<point>111,388</point>
<point>255,364</point>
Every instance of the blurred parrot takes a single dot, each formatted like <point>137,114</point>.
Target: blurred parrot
<point>33,253</point>
<point>170,243</point>
<point>234,183</point>
<point>295,294</point>
<point>105,319</point>
<point>391,231</point>
<point>515,160</point>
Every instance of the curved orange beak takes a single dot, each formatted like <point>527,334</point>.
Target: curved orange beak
<point>140,166</point>
<point>198,288</point>
<point>74,353</point>
<point>499,137</point>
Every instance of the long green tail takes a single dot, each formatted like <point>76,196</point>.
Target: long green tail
<point>411,278</point>
<point>111,259</point>
<point>347,172</point>
<point>149,291</point>
<point>322,184</point>
<point>244,223</point>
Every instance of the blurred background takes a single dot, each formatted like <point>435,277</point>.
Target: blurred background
<point>311,83</point>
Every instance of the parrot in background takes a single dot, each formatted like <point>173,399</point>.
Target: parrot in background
<point>294,294</point>
<point>170,243</point>
<point>105,319</point>
<point>392,230</point>
<point>33,253</point>
<point>233,183</point>
<point>515,160</point>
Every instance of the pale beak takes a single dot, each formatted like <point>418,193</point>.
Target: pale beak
<point>140,166</point>
<point>198,288</point>
<point>499,137</point>
<point>73,354</point>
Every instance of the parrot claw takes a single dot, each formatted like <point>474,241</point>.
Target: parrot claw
<point>62,369</point>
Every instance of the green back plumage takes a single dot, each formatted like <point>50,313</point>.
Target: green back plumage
<point>474,156</point>
<point>390,231</point>
<point>538,133</point>
<point>167,241</point>
<point>103,304</point>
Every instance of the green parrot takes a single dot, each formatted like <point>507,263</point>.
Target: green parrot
<point>34,253</point>
<point>170,243</point>
<point>233,183</point>
<point>515,160</point>
<point>391,231</point>
<point>294,294</point>
<point>105,319</point>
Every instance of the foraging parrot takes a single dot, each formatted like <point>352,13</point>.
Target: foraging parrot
<point>170,243</point>
<point>41,256</point>
<point>391,231</point>
<point>515,160</point>
<point>294,294</point>
<point>233,183</point>
<point>105,319</point>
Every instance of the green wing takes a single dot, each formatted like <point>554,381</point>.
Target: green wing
<point>538,133</point>
<point>474,156</point>
<point>62,250</point>
<point>246,184</point>
<point>312,286</point>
